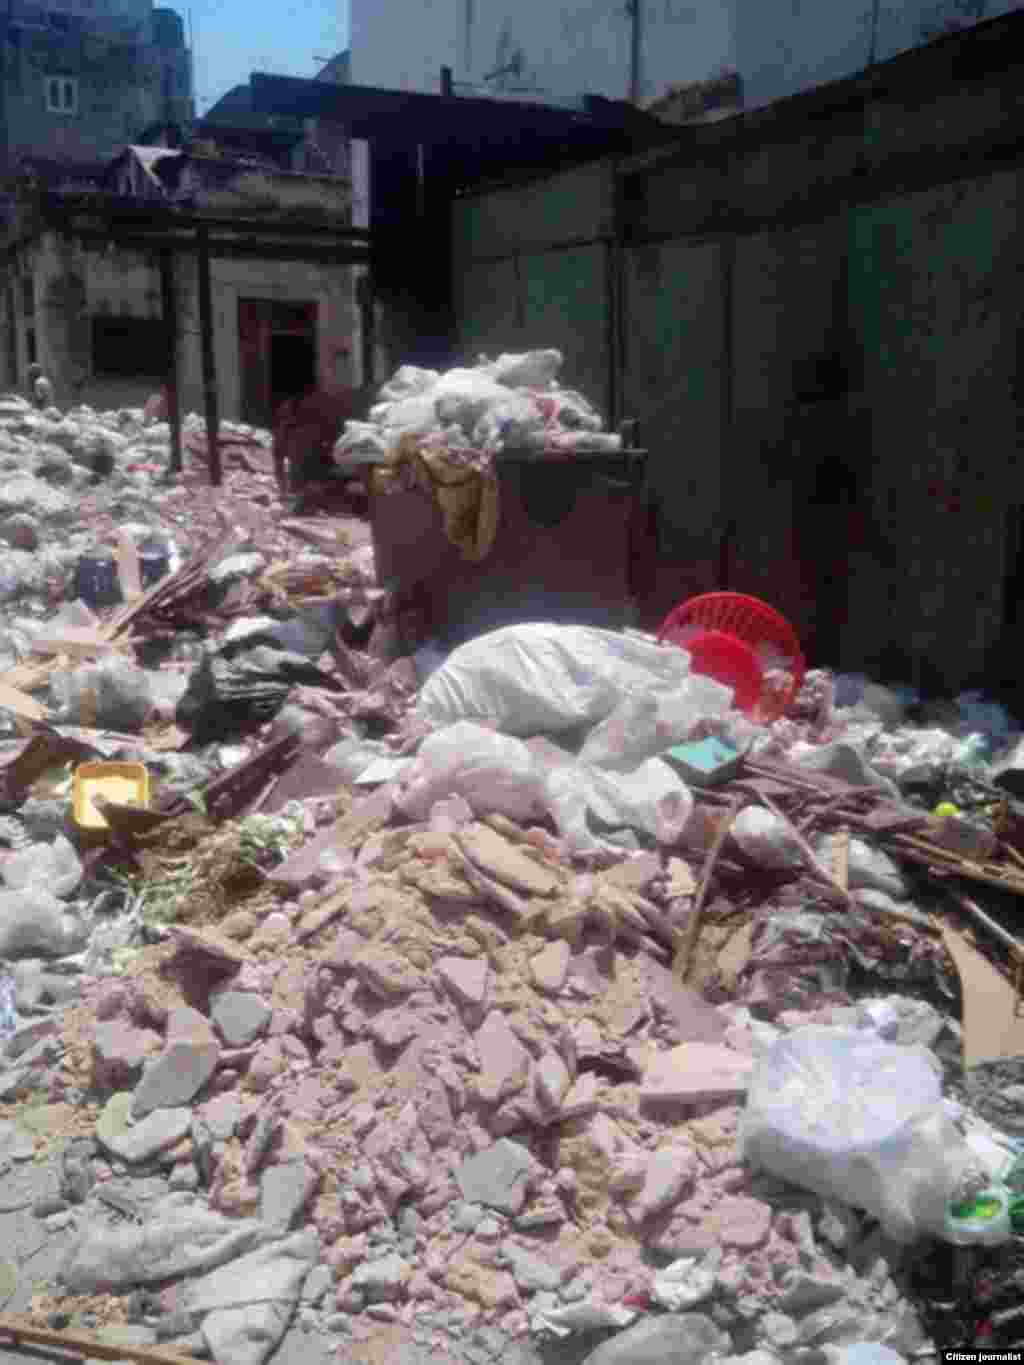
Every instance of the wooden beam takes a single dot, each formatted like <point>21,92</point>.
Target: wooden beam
<point>209,362</point>
<point>169,312</point>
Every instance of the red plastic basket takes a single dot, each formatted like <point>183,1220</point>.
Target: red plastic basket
<point>751,625</point>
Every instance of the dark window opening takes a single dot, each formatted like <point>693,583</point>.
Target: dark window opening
<point>125,347</point>
<point>292,367</point>
<point>30,346</point>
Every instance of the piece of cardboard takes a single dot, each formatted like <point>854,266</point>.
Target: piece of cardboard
<point>991,1026</point>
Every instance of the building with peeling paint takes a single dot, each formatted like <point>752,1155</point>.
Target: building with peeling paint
<point>90,304</point>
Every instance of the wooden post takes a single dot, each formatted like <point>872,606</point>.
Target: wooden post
<point>206,341</point>
<point>169,312</point>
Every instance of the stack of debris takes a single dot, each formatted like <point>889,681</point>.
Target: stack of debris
<point>426,1013</point>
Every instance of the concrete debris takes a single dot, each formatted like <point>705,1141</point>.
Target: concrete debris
<point>248,1304</point>
<point>179,1237</point>
<point>377,1022</point>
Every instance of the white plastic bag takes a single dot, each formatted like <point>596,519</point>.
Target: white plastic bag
<point>645,726</point>
<point>531,370</point>
<point>854,1118</point>
<point>54,868</point>
<point>767,840</point>
<point>492,772</point>
<point>654,799</point>
<point>546,679</point>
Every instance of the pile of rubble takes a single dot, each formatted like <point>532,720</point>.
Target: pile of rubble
<point>406,1018</point>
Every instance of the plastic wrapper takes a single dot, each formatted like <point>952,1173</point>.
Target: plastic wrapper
<point>686,1282</point>
<point>653,799</point>
<point>869,867</point>
<point>406,381</point>
<point>530,370</point>
<point>110,695</point>
<point>586,1315</point>
<point>863,1353</point>
<point>644,726</point>
<point>53,867</point>
<point>859,1120</point>
<point>546,679</point>
<point>492,772</point>
<point>767,840</point>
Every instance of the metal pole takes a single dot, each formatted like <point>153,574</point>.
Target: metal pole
<point>206,342</point>
<point>169,311</point>
<point>634,51</point>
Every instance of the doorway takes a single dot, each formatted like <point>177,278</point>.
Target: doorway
<point>277,345</point>
<point>292,366</point>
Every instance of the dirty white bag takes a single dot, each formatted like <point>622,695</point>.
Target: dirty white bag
<point>492,772</point>
<point>653,799</point>
<point>54,868</point>
<point>644,726</point>
<point>530,370</point>
<point>546,679</point>
<point>767,840</point>
<point>859,1120</point>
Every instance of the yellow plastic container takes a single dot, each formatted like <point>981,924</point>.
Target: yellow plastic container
<point>125,783</point>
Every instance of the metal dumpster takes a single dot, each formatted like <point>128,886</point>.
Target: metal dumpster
<point>565,545</point>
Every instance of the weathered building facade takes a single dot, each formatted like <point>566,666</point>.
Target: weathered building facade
<point>80,78</point>
<point>92,313</point>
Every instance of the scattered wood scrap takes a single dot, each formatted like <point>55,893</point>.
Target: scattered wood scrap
<point>87,1343</point>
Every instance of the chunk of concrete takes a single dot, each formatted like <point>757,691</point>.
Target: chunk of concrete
<point>693,1072</point>
<point>500,858</point>
<point>158,1131</point>
<point>285,1191</point>
<point>187,1062</point>
<point>466,978</point>
<point>180,1236</point>
<point>674,1339</point>
<point>504,1061</point>
<point>498,1177</point>
<point>249,1303</point>
<point>550,966</point>
<point>240,1017</point>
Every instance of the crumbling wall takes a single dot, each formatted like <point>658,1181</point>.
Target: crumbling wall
<point>74,284</point>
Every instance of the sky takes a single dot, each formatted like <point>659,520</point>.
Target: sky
<point>234,38</point>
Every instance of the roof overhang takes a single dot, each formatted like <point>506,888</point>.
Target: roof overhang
<point>472,132</point>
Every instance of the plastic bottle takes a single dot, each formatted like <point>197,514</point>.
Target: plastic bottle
<point>981,1220</point>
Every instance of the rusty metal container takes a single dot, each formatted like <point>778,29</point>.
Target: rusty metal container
<point>563,552</point>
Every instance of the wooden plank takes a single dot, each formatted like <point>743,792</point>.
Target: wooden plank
<point>684,952</point>
<point>991,1026</point>
<point>87,1344</point>
<point>128,571</point>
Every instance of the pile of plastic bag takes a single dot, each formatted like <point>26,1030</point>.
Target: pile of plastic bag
<point>616,702</point>
<point>512,402</point>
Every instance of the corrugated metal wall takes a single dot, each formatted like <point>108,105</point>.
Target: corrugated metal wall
<point>757,310</point>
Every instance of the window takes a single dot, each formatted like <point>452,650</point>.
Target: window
<point>61,95</point>
<point>125,347</point>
